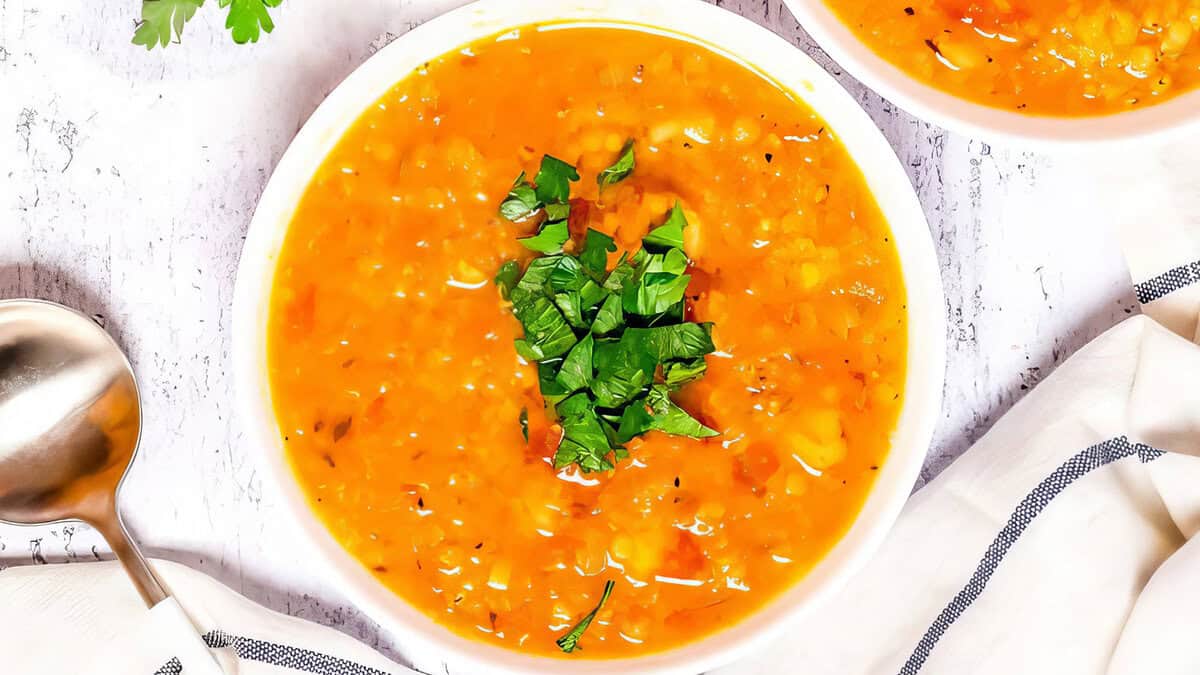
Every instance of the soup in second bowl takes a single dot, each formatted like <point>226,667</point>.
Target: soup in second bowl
<point>1040,57</point>
<point>587,340</point>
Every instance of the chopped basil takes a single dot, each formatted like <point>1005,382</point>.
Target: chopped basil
<point>619,169</point>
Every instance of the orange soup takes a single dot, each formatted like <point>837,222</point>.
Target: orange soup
<point>399,391</point>
<point>1042,57</point>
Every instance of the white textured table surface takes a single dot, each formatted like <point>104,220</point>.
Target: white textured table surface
<point>129,179</point>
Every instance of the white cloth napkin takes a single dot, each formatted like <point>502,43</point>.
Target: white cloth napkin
<point>86,618</point>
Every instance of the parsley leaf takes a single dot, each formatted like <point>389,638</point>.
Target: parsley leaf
<point>547,333</point>
<point>596,247</point>
<point>572,308</point>
<point>567,274</point>
<point>656,284</point>
<point>615,387</point>
<point>553,180</point>
<point>591,294</point>
<point>619,169</point>
<point>667,343</point>
<point>576,371</point>
<point>247,18</point>
<point>670,418</point>
<point>558,211</point>
<point>537,274</point>
<point>657,412</point>
<point>506,278</point>
<point>549,240</point>
<point>655,293</point>
<point>678,373</point>
<point>669,234</point>
<point>521,201</point>
<point>584,440</point>
<point>552,392</point>
<point>162,20</point>
<point>609,318</point>
<point>620,380</point>
<point>570,641</point>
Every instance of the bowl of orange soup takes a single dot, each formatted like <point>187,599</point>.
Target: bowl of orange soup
<point>587,336</point>
<point>1041,71</point>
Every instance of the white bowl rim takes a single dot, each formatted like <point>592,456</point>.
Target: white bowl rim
<point>728,34</point>
<point>1157,123</point>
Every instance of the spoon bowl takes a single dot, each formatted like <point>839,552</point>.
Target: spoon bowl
<point>71,420</point>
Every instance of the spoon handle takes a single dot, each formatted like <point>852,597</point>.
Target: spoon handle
<point>147,584</point>
<point>175,625</point>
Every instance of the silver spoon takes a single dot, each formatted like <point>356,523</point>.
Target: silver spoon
<point>70,419</point>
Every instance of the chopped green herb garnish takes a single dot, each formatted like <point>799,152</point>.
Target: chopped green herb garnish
<point>619,169</point>
<point>576,370</point>
<point>548,193</point>
<point>521,201</point>
<point>596,247</point>
<point>549,240</point>
<point>507,278</point>
<point>570,640</point>
<point>657,412</point>
<point>610,345</point>
<point>553,180</point>
<point>678,373</point>
<point>670,233</point>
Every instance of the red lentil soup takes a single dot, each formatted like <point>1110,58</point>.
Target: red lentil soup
<point>1042,57</point>
<point>398,389</point>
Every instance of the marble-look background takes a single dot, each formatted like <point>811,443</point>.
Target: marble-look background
<point>129,178</point>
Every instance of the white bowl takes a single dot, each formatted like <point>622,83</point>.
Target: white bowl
<point>1156,123</point>
<point>724,32</point>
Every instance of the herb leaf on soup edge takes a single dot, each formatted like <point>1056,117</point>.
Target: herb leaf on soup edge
<point>570,640</point>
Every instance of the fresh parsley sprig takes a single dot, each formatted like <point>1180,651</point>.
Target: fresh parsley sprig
<point>163,20</point>
<point>570,640</point>
<point>610,345</point>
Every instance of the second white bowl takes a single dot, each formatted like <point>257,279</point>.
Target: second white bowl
<point>1158,123</point>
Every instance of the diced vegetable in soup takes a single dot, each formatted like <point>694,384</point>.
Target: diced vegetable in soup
<point>1041,57</point>
<point>588,342</point>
